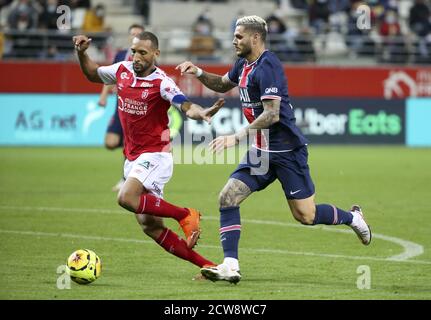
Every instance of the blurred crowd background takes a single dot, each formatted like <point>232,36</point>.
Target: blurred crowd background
<point>300,31</point>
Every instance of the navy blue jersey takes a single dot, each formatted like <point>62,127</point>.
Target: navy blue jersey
<point>261,80</point>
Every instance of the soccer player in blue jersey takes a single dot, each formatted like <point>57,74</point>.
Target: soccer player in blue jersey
<point>262,84</point>
<point>114,132</point>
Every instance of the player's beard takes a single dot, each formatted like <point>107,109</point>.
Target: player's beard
<point>244,52</point>
<point>142,68</point>
<point>138,68</point>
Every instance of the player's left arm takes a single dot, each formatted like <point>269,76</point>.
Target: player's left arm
<point>269,116</point>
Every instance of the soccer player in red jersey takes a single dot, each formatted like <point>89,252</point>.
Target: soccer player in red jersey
<point>145,94</point>
<point>114,132</point>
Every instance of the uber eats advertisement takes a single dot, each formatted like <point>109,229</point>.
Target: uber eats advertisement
<point>351,120</point>
<point>322,120</point>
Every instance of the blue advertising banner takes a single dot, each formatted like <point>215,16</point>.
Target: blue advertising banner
<point>418,122</point>
<point>53,119</point>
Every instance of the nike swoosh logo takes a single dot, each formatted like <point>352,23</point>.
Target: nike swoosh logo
<point>294,192</point>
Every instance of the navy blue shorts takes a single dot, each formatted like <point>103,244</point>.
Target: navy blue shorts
<point>115,126</point>
<point>259,169</point>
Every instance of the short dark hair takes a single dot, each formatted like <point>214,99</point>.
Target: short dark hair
<point>146,35</point>
<point>135,25</point>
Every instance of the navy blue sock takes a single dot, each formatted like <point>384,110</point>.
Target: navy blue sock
<point>329,214</point>
<point>230,230</point>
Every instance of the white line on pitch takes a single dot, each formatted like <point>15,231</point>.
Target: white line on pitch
<point>272,251</point>
<point>410,249</point>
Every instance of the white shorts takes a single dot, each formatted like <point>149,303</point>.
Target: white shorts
<point>153,170</point>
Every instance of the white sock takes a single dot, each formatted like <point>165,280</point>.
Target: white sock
<point>232,263</point>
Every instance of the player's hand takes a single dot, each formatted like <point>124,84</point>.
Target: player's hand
<point>81,43</point>
<point>187,68</point>
<point>102,102</point>
<point>206,114</point>
<point>222,142</point>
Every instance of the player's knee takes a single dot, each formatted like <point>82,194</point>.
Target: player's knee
<point>226,200</point>
<point>112,142</point>
<point>110,146</point>
<point>125,199</point>
<point>151,229</point>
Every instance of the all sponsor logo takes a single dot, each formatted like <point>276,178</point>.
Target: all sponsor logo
<point>146,85</point>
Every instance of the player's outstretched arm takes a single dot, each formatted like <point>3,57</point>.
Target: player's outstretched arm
<point>88,66</point>
<point>209,80</point>
<point>196,112</point>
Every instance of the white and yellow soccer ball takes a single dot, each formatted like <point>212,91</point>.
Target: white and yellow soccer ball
<point>84,266</point>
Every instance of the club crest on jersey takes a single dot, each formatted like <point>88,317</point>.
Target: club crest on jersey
<point>124,75</point>
<point>145,94</point>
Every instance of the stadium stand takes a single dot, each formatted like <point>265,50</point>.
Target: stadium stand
<point>301,31</point>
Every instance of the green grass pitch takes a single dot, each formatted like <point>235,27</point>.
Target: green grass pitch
<point>56,200</point>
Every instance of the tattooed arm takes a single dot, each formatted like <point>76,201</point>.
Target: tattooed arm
<point>210,80</point>
<point>269,116</point>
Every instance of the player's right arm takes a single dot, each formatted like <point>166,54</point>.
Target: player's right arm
<point>88,66</point>
<point>210,80</point>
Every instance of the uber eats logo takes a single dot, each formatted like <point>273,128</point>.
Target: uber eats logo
<point>383,123</point>
<point>355,122</point>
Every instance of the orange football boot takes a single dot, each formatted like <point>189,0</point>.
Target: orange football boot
<point>190,226</point>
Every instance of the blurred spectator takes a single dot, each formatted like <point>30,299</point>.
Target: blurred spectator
<point>52,53</point>
<point>318,15</point>
<point>299,4</point>
<point>79,4</point>
<point>336,6</point>
<point>304,46</point>
<point>394,46</point>
<point>203,23</point>
<point>48,17</point>
<point>419,19</point>
<point>203,44</point>
<point>419,22</point>
<point>94,20</point>
<point>4,3</point>
<point>276,38</point>
<point>2,42</point>
<point>23,17</point>
<point>142,7</point>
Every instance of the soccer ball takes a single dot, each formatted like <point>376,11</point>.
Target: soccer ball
<point>84,266</point>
